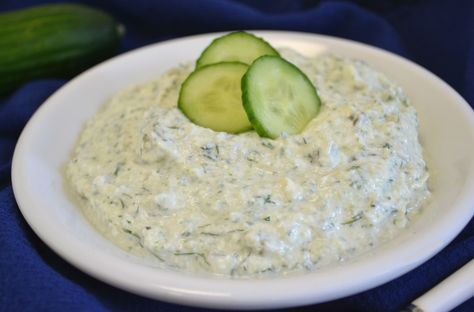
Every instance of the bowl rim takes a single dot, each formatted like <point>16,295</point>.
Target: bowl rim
<point>228,293</point>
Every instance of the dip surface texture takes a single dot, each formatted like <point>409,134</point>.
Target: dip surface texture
<point>202,201</point>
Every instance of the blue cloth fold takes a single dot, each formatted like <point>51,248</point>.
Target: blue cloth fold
<point>438,35</point>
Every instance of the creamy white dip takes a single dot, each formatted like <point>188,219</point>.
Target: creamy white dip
<point>203,201</point>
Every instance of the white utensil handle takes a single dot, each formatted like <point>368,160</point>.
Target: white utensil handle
<point>450,293</point>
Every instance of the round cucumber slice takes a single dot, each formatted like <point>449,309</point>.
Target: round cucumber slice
<point>235,47</point>
<point>211,97</point>
<point>278,97</point>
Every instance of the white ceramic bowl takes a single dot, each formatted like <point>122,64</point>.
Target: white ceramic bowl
<point>446,132</point>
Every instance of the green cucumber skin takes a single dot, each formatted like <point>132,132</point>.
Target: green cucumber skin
<point>53,41</point>
<point>199,62</point>
<point>246,83</point>
<point>257,125</point>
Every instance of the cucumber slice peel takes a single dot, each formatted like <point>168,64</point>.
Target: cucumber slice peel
<point>211,97</point>
<point>278,97</point>
<point>237,46</point>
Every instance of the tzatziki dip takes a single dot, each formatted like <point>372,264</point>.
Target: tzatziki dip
<point>241,205</point>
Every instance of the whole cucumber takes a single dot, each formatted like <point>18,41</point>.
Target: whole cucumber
<point>53,41</point>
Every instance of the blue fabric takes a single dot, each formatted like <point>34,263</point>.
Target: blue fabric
<point>439,35</point>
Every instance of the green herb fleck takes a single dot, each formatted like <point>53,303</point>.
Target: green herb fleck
<point>313,156</point>
<point>184,253</point>
<point>210,151</point>
<point>355,218</point>
<point>134,235</point>
<point>210,234</point>
<point>268,199</point>
<point>234,269</point>
<point>157,256</point>
<point>268,145</point>
<point>201,255</point>
<point>236,230</point>
<point>269,269</point>
<point>354,119</point>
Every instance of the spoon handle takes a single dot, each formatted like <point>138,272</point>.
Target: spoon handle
<point>448,294</point>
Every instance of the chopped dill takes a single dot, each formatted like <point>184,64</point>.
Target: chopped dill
<point>210,151</point>
<point>268,145</point>
<point>268,199</point>
<point>204,225</point>
<point>185,234</point>
<point>234,269</point>
<point>269,269</point>
<point>313,156</point>
<point>184,253</point>
<point>355,218</point>
<point>117,169</point>
<point>198,254</point>
<point>223,233</point>
<point>236,230</point>
<point>354,119</point>
<point>210,234</point>
<point>134,235</point>
<point>157,256</point>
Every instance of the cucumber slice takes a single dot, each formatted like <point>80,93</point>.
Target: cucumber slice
<point>278,97</point>
<point>235,47</point>
<point>211,97</point>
